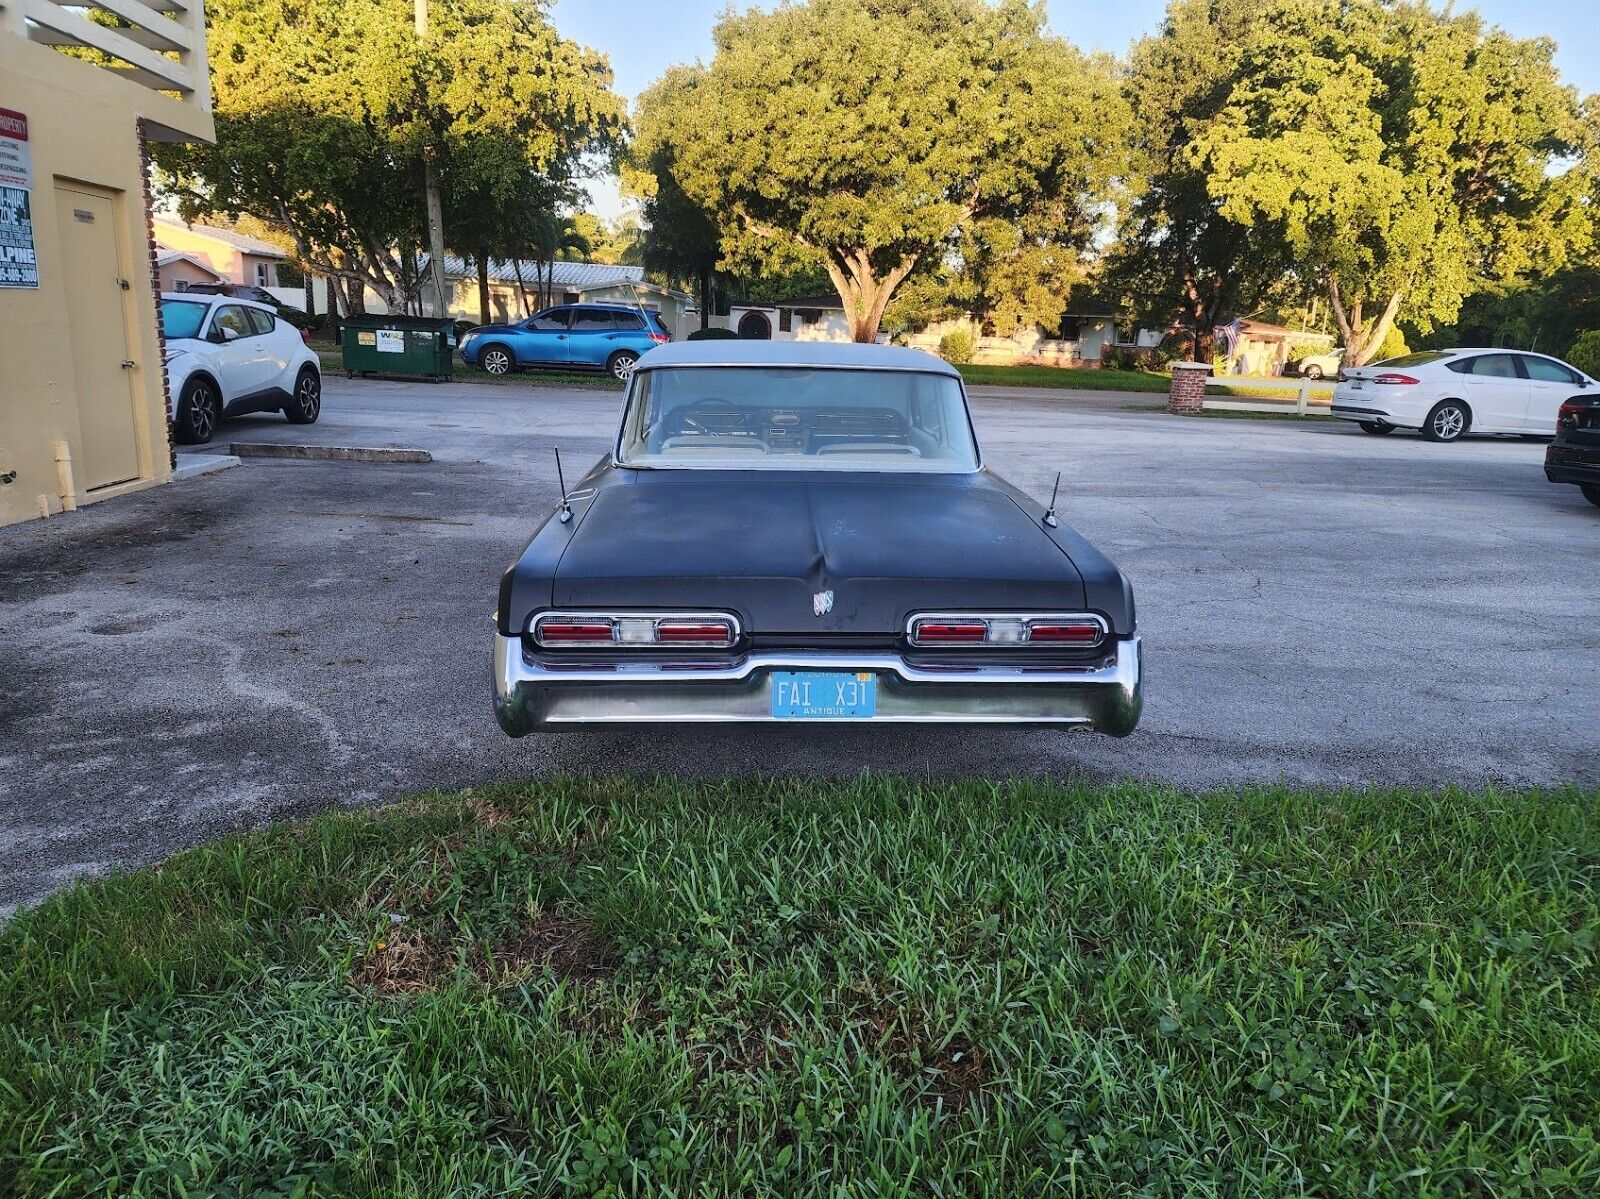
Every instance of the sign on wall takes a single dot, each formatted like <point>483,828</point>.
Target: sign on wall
<point>19,265</point>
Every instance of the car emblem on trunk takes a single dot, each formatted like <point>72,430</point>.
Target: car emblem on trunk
<point>822,603</point>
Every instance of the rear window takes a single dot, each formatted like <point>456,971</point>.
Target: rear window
<point>262,322</point>
<point>1422,358</point>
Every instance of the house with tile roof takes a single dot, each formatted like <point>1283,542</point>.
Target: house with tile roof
<point>237,257</point>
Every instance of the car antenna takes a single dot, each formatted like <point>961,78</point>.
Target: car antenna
<point>639,304</point>
<point>1050,514</point>
<point>566,506</point>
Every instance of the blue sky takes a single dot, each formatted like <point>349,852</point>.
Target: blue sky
<point>644,37</point>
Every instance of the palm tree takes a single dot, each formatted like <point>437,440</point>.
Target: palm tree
<point>550,235</point>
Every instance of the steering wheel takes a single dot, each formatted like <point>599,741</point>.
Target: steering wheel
<point>698,417</point>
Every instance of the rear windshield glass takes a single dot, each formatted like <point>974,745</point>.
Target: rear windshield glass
<point>182,318</point>
<point>796,418</point>
<point>1422,358</point>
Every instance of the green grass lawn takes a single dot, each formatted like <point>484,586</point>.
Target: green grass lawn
<point>333,363</point>
<point>1070,378</point>
<point>804,989</point>
<point>1231,414</point>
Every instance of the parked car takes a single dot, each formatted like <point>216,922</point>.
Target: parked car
<point>1574,456</point>
<point>1320,366</point>
<point>806,531</point>
<point>226,357</point>
<point>1449,393</point>
<point>260,295</point>
<point>603,337</point>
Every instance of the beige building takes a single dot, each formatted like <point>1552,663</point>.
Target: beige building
<point>83,410</point>
<point>237,257</point>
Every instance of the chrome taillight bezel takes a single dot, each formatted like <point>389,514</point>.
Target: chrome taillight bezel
<point>617,619</point>
<point>993,622</point>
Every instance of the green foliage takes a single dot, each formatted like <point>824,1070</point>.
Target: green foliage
<point>592,987</point>
<point>1585,353</point>
<point>1403,155</point>
<point>1393,345</point>
<point>871,137</point>
<point>325,108</point>
<point>957,346</point>
<point>1120,358</point>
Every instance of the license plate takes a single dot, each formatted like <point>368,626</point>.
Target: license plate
<point>814,695</point>
<point>1356,383</point>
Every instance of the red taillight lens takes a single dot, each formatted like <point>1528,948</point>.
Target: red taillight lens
<point>948,633</point>
<point>714,633</point>
<point>660,339</point>
<point>1067,632</point>
<point>572,632</point>
<point>1568,417</point>
<point>1393,379</point>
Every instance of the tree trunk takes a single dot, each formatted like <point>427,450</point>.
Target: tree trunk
<point>1361,339</point>
<point>522,296</point>
<point>705,298</point>
<point>484,315</point>
<point>862,292</point>
<point>311,294</point>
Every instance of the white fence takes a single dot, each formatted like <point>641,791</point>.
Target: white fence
<point>1275,396</point>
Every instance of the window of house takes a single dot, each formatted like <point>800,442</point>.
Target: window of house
<point>785,320</point>
<point>261,274</point>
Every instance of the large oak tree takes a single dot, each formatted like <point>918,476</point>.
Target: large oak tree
<point>868,135</point>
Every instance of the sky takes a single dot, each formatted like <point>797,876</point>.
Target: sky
<point>644,37</point>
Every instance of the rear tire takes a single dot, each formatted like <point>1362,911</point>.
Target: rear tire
<point>621,364</point>
<point>1591,492</point>
<point>1312,372</point>
<point>1449,421</point>
<point>199,413</point>
<point>497,360</point>
<point>306,405</point>
<point>1376,426</point>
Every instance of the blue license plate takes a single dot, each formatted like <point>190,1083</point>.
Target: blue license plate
<point>813,695</point>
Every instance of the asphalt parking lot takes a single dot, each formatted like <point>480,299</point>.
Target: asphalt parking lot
<point>1318,606</point>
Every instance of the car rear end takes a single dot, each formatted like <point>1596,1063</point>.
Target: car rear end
<point>1574,456</point>
<point>1397,392</point>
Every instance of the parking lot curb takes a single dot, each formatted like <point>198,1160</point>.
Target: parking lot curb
<point>328,453</point>
<point>192,466</point>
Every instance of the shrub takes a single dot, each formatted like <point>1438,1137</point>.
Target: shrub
<point>1393,345</point>
<point>1121,358</point>
<point>1585,353</point>
<point>957,346</point>
<point>712,333</point>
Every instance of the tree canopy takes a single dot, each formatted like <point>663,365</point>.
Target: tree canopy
<point>1402,157</point>
<point>870,136</point>
<point>323,108</point>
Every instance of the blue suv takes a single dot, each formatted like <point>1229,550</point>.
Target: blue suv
<point>602,337</point>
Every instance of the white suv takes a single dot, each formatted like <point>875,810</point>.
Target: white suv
<point>1448,393</point>
<point>226,357</point>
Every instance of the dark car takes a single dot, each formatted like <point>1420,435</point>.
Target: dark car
<point>600,337</point>
<point>244,291</point>
<point>1574,456</point>
<point>789,531</point>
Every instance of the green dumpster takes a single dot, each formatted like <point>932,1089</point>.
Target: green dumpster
<point>399,345</point>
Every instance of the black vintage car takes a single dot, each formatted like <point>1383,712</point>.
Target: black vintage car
<point>1574,456</point>
<point>790,531</point>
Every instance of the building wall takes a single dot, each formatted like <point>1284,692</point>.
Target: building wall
<point>83,132</point>
<point>248,273</point>
<point>219,256</point>
<point>185,272</point>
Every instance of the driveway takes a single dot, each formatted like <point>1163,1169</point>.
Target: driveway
<point>1318,606</point>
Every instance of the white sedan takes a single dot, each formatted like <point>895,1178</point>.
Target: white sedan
<point>1449,393</point>
<point>227,356</point>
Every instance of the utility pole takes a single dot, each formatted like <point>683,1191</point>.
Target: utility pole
<point>430,185</point>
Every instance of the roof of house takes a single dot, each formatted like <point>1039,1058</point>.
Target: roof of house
<point>166,257</point>
<point>242,242</point>
<point>572,276</point>
<point>751,352</point>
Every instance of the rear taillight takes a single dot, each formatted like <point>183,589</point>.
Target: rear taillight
<point>660,339</point>
<point>1077,629</point>
<point>1394,379</point>
<point>1568,417</point>
<point>694,630</point>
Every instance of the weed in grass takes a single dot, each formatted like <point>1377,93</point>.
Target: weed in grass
<point>770,987</point>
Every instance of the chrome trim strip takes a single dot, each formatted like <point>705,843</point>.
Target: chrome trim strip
<point>615,614</point>
<point>1107,698</point>
<point>986,616</point>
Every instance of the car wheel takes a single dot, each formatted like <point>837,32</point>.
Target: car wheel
<point>1376,426</point>
<point>621,364</point>
<point>1591,492</point>
<point>306,405</point>
<point>199,413</point>
<point>1448,421</point>
<point>496,360</point>
<point>1312,372</point>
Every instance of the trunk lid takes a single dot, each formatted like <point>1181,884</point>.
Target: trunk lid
<point>765,545</point>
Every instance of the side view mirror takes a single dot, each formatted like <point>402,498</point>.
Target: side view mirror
<point>222,336</point>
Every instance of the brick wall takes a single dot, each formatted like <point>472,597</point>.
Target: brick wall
<point>1188,391</point>
<point>146,170</point>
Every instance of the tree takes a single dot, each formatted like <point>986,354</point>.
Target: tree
<point>1177,256</point>
<point>324,108</point>
<point>867,135</point>
<point>1405,157</point>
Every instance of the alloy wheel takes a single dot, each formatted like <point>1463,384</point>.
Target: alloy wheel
<point>202,413</point>
<point>309,396</point>
<point>622,366</point>
<point>496,361</point>
<point>1449,423</point>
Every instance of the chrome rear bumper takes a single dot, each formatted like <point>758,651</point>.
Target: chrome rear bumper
<point>527,693</point>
